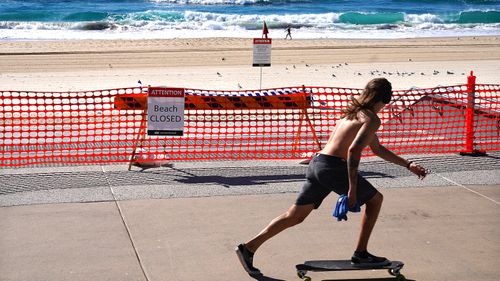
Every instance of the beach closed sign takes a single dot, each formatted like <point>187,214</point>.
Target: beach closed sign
<point>165,111</point>
<point>262,52</point>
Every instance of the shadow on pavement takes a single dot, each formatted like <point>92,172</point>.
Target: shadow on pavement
<point>368,279</point>
<point>230,180</point>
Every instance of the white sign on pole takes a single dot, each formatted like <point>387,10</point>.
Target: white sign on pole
<point>262,52</point>
<point>165,111</point>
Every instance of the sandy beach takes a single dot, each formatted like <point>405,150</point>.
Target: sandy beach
<point>225,63</point>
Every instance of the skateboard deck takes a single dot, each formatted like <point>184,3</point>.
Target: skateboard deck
<point>393,267</point>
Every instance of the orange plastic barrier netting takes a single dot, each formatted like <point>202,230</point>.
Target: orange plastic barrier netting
<point>39,128</point>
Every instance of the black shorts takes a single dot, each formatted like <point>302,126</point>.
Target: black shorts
<point>328,173</point>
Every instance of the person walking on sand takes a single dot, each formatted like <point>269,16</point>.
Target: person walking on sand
<point>288,31</point>
<point>335,168</point>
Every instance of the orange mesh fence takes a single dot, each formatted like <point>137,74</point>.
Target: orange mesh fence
<point>435,120</point>
<point>486,118</point>
<point>106,126</point>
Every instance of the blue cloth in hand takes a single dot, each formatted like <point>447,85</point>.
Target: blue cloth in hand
<point>342,207</point>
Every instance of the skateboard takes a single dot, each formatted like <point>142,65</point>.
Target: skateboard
<point>339,265</point>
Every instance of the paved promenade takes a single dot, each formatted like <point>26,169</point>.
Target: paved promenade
<point>182,223</point>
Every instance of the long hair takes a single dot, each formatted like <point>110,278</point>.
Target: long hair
<point>378,89</point>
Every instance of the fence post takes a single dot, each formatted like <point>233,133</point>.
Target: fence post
<point>469,119</point>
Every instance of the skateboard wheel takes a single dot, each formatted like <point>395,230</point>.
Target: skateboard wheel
<point>302,275</point>
<point>394,272</point>
<point>400,277</point>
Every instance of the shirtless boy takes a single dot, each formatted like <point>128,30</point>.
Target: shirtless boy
<point>335,168</point>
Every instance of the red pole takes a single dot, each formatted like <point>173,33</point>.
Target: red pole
<point>469,123</point>
<point>469,118</point>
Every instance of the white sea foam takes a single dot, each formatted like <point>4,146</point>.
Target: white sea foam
<point>303,33</point>
<point>423,18</point>
<point>154,24</point>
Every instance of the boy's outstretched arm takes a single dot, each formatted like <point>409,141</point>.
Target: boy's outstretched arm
<point>384,153</point>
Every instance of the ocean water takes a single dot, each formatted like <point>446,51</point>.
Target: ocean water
<point>147,19</point>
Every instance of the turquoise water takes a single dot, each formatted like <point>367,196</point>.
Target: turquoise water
<point>130,19</point>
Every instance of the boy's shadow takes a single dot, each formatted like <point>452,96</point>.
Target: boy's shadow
<point>262,277</point>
